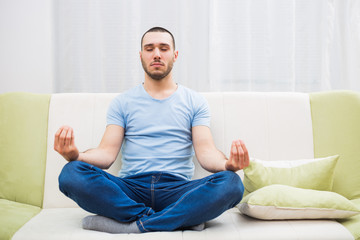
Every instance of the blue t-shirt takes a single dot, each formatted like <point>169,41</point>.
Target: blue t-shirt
<point>158,132</point>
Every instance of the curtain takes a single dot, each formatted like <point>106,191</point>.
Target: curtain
<point>224,45</point>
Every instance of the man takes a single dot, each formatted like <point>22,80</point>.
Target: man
<point>157,125</point>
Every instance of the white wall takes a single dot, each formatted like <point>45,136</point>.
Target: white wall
<point>26,46</point>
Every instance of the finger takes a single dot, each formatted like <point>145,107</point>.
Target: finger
<point>240,153</point>
<point>57,137</point>
<point>62,137</point>
<point>72,138</point>
<point>58,132</point>
<point>246,154</point>
<point>233,152</point>
<point>68,137</point>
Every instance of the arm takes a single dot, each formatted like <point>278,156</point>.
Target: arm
<point>211,159</point>
<point>103,156</point>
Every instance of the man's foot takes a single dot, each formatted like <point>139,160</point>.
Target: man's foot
<point>104,224</point>
<point>199,227</point>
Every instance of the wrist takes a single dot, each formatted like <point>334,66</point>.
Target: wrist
<point>229,166</point>
<point>79,157</point>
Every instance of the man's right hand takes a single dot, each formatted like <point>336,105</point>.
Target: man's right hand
<point>65,143</point>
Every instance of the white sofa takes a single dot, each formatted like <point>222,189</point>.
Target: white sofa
<point>275,126</point>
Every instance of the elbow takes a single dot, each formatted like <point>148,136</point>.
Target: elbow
<point>212,162</point>
<point>108,159</point>
<point>202,162</point>
<point>108,164</point>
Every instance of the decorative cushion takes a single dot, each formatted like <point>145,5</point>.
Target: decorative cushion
<point>286,202</point>
<point>314,174</point>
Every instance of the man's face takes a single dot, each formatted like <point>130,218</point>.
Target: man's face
<point>157,54</point>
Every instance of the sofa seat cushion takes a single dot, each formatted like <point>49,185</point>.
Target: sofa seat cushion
<point>65,223</point>
<point>353,223</point>
<point>13,216</point>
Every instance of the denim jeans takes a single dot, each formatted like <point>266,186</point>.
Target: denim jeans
<point>157,201</point>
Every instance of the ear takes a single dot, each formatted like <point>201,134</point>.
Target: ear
<point>140,54</point>
<point>176,54</point>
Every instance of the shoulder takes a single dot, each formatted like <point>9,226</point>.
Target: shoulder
<point>192,95</point>
<point>199,107</point>
<point>186,90</point>
<point>127,95</point>
<point>121,101</point>
<point>118,107</point>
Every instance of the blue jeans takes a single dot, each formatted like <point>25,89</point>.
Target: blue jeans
<point>157,201</point>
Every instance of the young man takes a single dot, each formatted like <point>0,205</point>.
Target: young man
<point>157,125</point>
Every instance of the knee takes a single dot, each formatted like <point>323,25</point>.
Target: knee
<point>69,175</point>
<point>69,170</point>
<point>232,185</point>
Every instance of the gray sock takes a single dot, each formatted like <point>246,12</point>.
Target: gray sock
<point>199,227</point>
<point>104,224</point>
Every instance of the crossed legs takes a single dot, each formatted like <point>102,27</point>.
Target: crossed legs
<point>152,201</point>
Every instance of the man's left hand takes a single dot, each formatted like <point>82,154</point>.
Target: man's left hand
<point>239,157</point>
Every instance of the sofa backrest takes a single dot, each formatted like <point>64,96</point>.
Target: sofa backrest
<point>23,132</point>
<point>275,126</point>
<point>336,123</point>
<point>86,114</point>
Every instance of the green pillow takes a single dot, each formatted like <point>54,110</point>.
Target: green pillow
<point>286,202</point>
<point>314,174</point>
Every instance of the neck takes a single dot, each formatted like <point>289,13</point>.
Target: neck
<point>160,89</point>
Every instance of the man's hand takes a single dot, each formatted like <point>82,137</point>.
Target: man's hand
<point>239,157</point>
<point>65,143</point>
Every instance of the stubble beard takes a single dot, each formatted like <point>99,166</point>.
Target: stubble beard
<point>157,76</point>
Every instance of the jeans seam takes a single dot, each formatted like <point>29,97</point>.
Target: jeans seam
<point>147,213</point>
<point>177,188</point>
<point>140,188</point>
<point>142,226</point>
<point>152,193</point>
<point>158,178</point>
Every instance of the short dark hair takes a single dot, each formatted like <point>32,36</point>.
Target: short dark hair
<point>158,29</point>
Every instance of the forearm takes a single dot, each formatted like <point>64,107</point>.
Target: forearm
<point>98,157</point>
<point>103,156</point>
<point>212,160</point>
